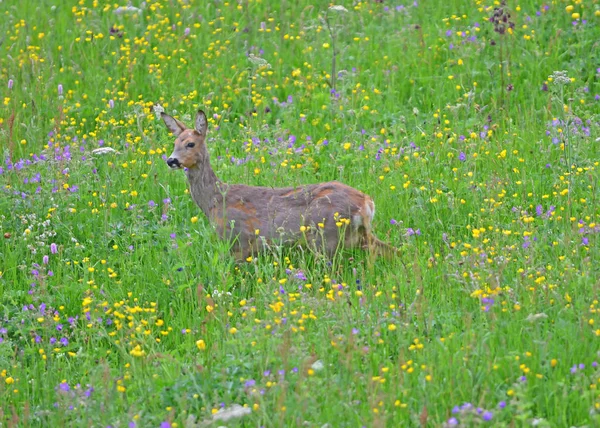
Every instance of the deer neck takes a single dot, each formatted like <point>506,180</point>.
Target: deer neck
<point>203,185</point>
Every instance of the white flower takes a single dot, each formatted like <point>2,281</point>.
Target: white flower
<point>560,78</point>
<point>338,8</point>
<point>535,317</point>
<point>317,365</point>
<point>122,10</point>
<point>258,61</point>
<point>234,411</point>
<point>158,109</point>
<point>103,151</point>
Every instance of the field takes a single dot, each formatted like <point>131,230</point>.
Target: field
<point>475,127</point>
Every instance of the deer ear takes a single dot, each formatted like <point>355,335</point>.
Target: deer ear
<point>201,123</point>
<point>175,126</point>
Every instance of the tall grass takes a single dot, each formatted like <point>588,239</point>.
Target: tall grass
<point>120,306</point>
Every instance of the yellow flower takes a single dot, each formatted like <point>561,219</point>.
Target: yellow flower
<point>194,219</point>
<point>392,327</point>
<point>201,344</point>
<point>9,380</point>
<point>233,330</point>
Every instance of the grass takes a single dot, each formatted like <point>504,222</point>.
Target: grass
<point>119,305</point>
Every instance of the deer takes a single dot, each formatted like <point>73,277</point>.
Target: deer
<point>325,216</point>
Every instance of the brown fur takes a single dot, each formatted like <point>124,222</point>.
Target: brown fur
<point>237,210</point>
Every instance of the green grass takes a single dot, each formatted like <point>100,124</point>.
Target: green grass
<point>484,172</point>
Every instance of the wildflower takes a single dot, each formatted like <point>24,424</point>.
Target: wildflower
<point>60,90</point>
<point>10,83</point>
<point>560,78</point>
<point>201,345</point>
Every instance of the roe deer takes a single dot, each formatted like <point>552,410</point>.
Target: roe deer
<point>322,215</point>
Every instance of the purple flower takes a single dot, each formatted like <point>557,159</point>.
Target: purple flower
<point>539,210</point>
<point>53,248</point>
<point>487,416</point>
<point>186,32</point>
<point>111,103</point>
<point>300,275</point>
<point>60,90</point>
<point>585,241</point>
<point>10,83</point>
<point>462,157</point>
<point>45,260</point>
<point>64,341</point>
<point>453,422</point>
<point>502,404</point>
<point>574,369</point>
<point>64,386</point>
<point>165,425</point>
<point>410,232</point>
<point>392,222</point>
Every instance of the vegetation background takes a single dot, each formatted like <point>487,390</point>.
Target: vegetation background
<point>474,126</point>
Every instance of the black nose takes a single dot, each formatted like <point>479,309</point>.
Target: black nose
<point>173,163</point>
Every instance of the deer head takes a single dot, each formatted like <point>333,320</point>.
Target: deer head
<point>190,148</point>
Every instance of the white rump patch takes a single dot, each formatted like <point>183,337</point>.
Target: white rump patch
<point>370,209</point>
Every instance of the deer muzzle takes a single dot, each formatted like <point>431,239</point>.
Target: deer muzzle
<point>173,163</point>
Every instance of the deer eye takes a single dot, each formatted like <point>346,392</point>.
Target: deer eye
<point>190,145</point>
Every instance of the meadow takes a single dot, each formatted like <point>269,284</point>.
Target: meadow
<point>475,127</point>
